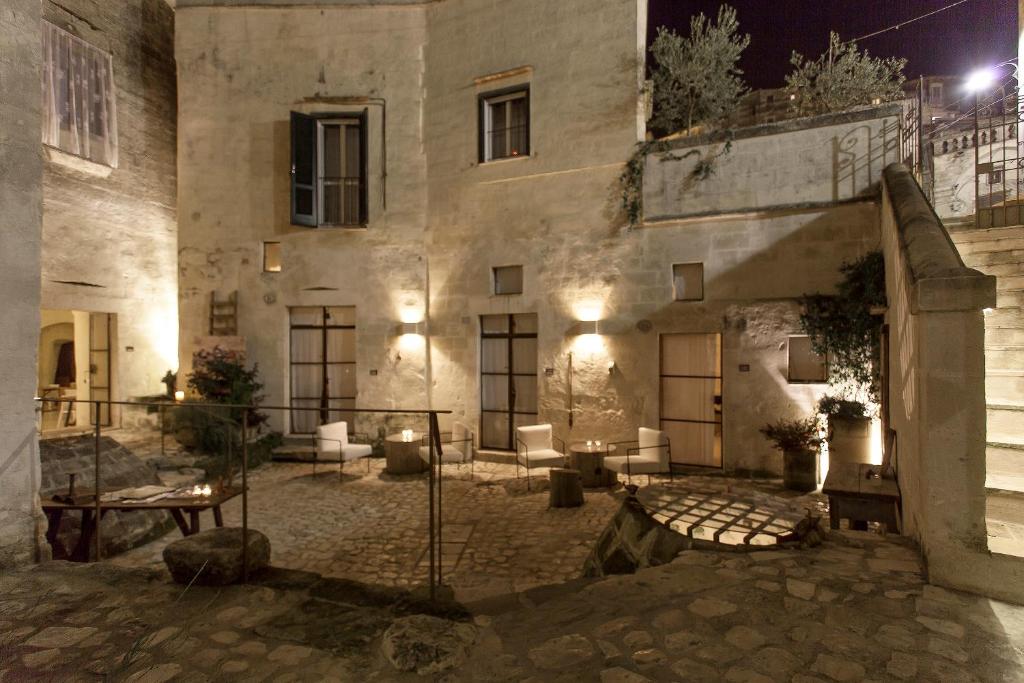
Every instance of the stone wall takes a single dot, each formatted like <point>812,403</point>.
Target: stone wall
<point>20,226</point>
<point>797,163</point>
<point>937,393</point>
<point>112,232</point>
<point>440,220</point>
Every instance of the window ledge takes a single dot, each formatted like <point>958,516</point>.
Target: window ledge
<point>504,160</point>
<point>76,163</point>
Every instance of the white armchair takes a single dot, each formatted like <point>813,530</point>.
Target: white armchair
<point>535,448</point>
<point>456,447</point>
<point>332,444</point>
<point>651,454</point>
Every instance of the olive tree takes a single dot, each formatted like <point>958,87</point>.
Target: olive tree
<point>843,77</point>
<point>696,78</point>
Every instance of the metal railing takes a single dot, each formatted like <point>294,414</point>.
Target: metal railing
<point>434,523</point>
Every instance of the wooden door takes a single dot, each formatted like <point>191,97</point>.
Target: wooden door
<point>691,397</point>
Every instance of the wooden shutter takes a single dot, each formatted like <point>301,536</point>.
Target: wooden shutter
<point>304,170</point>
<point>364,180</point>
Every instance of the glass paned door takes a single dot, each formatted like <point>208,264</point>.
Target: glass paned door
<point>508,377</point>
<point>323,365</point>
<point>691,397</point>
<point>100,373</point>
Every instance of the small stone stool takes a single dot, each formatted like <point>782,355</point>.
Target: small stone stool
<point>566,488</point>
<point>214,557</point>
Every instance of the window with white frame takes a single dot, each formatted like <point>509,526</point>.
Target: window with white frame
<point>805,366</point>
<point>505,124</point>
<point>329,169</point>
<point>79,104</point>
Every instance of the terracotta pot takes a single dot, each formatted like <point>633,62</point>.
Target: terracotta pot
<point>800,469</point>
<point>849,440</point>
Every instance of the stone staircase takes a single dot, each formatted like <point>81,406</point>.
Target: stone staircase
<point>1000,252</point>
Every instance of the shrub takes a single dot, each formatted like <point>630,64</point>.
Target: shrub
<point>793,435</point>
<point>838,407</point>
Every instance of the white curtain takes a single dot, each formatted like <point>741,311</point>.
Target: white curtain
<point>79,109</point>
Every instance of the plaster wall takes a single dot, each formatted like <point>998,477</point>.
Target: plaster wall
<point>21,196</point>
<point>241,71</point>
<point>955,176</point>
<point>801,162</point>
<point>109,235</point>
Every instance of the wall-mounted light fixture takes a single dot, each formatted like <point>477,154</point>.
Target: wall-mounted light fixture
<point>586,327</point>
<point>419,328</point>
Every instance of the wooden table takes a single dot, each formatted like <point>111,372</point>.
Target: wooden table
<point>856,495</point>
<point>589,460</point>
<point>403,457</point>
<point>193,505</point>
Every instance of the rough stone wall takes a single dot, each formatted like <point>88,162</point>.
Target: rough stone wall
<point>241,71</point>
<point>20,228</point>
<point>937,393</point>
<point>116,228</point>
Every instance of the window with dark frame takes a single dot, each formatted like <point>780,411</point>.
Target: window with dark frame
<point>507,279</point>
<point>805,366</point>
<point>271,257</point>
<point>329,178</point>
<point>688,281</point>
<point>505,124</point>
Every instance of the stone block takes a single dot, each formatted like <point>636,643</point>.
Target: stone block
<point>214,557</point>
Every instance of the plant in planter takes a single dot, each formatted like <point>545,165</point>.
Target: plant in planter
<point>798,440</point>
<point>849,429</point>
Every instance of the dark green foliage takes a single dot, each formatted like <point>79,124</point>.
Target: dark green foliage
<point>842,327</point>
<point>220,376</point>
<point>793,435</point>
<point>837,407</point>
<point>841,78</point>
<point>696,78</point>
<point>260,452</point>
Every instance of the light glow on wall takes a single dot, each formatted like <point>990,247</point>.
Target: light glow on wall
<point>163,334</point>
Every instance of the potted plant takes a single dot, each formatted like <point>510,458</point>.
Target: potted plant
<point>798,440</point>
<point>849,430</point>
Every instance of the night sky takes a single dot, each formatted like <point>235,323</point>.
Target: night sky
<point>952,42</point>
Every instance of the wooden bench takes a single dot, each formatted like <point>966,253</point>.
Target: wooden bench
<point>856,492</point>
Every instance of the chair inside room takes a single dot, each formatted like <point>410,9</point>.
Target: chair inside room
<point>535,447</point>
<point>332,444</point>
<point>650,454</point>
<point>456,447</point>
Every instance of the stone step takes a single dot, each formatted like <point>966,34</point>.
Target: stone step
<point>1000,318</point>
<point>489,455</point>
<point>964,233</point>
<point>1003,336</point>
<point>1004,386</point>
<point>1004,469</point>
<point>1009,298</point>
<point>1009,283</point>
<point>982,251</point>
<point>1004,355</point>
<point>1005,422</point>
<point>1002,271</point>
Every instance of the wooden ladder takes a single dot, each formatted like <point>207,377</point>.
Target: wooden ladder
<point>224,315</point>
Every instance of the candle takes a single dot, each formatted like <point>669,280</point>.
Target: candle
<point>406,435</point>
<point>589,443</point>
<point>599,443</point>
<point>207,490</point>
<point>196,491</point>
<point>179,395</point>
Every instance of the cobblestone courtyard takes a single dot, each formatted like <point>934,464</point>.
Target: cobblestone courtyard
<point>498,537</point>
<point>854,609</point>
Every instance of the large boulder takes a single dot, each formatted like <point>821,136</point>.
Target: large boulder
<point>426,644</point>
<point>633,540</point>
<point>214,557</point>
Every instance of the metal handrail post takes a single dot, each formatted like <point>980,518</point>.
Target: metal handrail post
<point>430,521</point>
<point>97,512</point>
<point>245,496</point>
<point>437,451</point>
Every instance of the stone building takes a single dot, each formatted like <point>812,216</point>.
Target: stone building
<point>89,237</point>
<point>397,203</point>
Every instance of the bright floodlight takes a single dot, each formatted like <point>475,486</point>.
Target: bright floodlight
<point>981,79</point>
